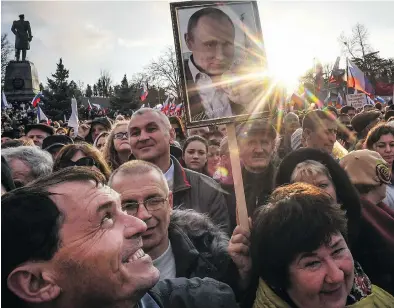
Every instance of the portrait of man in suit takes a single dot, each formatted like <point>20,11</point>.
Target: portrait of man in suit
<point>210,38</point>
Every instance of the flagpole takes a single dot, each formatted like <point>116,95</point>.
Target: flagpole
<point>347,76</point>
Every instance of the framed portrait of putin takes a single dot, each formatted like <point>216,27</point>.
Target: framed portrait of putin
<point>221,61</point>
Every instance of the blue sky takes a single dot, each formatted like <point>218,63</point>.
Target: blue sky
<point>122,37</point>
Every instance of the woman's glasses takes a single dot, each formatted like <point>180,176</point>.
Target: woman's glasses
<point>121,135</point>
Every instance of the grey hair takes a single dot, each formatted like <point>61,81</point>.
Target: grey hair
<point>309,168</point>
<point>162,116</point>
<point>40,161</point>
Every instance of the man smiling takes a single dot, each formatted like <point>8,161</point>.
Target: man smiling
<point>70,244</point>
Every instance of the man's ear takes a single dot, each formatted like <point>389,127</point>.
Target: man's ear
<point>170,200</point>
<point>172,135</point>
<point>33,285</point>
<point>187,40</point>
<point>306,134</point>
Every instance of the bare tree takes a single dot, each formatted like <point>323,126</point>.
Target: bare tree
<point>163,73</point>
<point>106,81</point>
<point>6,51</point>
<point>356,45</point>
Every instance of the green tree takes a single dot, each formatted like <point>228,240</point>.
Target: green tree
<point>357,47</point>
<point>88,92</point>
<point>124,97</point>
<point>59,93</point>
<point>6,51</point>
<point>95,92</point>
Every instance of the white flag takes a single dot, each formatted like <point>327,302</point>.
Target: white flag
<point>73,120</point>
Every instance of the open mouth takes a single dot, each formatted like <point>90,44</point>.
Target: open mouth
<point>134,257</point>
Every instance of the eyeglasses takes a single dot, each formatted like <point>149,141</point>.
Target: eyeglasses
<point>121,135</point>
<point>84,161</point>
<point>151,205</point>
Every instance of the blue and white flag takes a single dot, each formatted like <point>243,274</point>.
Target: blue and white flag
<point>4,103</point>
<point>41,115</point>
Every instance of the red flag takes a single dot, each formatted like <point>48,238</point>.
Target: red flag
<point>384,89</point>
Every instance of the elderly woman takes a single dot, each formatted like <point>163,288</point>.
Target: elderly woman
<point>299,251</point>
<point>81,154</point>
<point>320,169</point>
<point>381,139</point>
<point>116,150</point>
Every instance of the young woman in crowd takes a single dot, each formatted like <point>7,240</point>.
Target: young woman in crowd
<point>116,150</point>
<point>100,141</point>
<point>299,251</point>
<point>81,154</point>
<point>195,151</point>
<point>381,139</point>
<point>213,157</point>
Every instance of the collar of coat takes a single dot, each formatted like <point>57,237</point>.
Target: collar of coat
<point>194,236</point>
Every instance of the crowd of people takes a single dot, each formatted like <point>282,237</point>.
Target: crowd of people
<point>138,211</point>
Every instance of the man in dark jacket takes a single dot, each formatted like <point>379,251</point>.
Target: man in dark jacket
<point>257,141</point>
<point>79,249</point>
<point>150,136</point>
<point>182,243</point>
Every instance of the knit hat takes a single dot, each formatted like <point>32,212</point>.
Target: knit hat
<point>366,167</point>
<point>296,138</point>
<point>363,119</point>
<point>103,121</point>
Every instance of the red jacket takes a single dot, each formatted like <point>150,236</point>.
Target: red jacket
<point>374,249</point>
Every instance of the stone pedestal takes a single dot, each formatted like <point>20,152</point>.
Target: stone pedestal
<point>21,82</point>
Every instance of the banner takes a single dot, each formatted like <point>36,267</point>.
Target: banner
<point>356,100</point>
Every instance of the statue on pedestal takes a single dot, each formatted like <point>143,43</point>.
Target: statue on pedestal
<point>23,37</point>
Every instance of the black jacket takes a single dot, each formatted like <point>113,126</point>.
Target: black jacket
<point>196,191</point>
<point>200,248</point>
<point>193,293</point>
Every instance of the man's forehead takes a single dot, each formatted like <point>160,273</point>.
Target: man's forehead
<point>145,118</point>
<point>209,28</point>
<point>36,132</point>
<point>82,195</point>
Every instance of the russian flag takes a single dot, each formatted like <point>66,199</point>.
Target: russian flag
<point>166,106</point>
<point>178,109</point>
<point>144,92</point>
<point>356,79</point>
<point>41,116</point>
<point>89,106</point>
<point>36,99</point>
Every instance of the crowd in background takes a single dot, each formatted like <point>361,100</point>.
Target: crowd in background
<point>317,184</point>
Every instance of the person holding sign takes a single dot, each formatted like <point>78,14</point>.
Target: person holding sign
<point>257,141</point>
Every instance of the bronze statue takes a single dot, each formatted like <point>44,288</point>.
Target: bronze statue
<point>23,37</point>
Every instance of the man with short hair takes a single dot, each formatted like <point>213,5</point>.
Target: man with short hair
<point>210,37</point>
<point>257,143</point>
<point>319,130</point>
<point>349,110</point>
<point>150,136</point>
<point>27,163</point>
<point>182,243</point>
<point>291,123</point>
<point>70,244</point>
<point>38,132</point>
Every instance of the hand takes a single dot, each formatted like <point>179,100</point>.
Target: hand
<point>238,250</point>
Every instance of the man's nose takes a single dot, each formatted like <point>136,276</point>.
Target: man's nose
<point>133,226</point>
<point>220,52</point>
